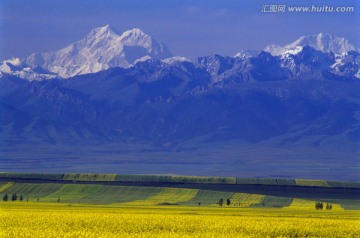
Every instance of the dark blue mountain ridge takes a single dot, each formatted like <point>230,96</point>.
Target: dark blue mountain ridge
<point>305,102</point>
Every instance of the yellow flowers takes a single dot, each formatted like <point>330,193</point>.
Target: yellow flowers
<point>63,220</point>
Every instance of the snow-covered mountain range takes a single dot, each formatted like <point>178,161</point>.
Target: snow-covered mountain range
<point>322,42</point>
<point>101,49</point>
<point>104,48</point>
<point>123,95</point>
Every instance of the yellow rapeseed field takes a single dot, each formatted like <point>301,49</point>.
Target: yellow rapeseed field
<point>22,219</point>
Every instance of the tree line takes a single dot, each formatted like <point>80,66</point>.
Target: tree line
<point>14,197</point>
<point>320,206</point>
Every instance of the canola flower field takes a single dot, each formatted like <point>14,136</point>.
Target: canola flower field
<point>37,219</point>
<point>71,209</point>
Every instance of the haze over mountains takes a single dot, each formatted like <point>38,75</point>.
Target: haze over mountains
<point>292,111</point>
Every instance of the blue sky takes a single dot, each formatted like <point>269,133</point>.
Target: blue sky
<point>189,28</point>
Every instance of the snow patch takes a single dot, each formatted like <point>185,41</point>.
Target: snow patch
<point>175,59</point>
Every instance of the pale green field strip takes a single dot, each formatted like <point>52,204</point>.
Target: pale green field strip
<point>205,197</point>
<point>143,178</point>
<point>264,181</point>
<point>310,205</point>
<point>272,201</point>
<point>246,199</point>
<point>343,184</point>
<point>168,196</point>
<point>90,177</point>
<point>116,194</point>
<point>33,190</point>
<point>32,176</point>
<point>5,186</point>
<point>72,192</point>
<point>200,179</point>
<point>311,183</point>
<point>287,182</point>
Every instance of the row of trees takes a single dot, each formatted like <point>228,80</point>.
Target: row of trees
<point>320,206</point>
<point>14,197</point>
<point>221,202</point>
<point>228,202</point>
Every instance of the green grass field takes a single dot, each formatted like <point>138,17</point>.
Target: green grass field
<point>150,196</point>
<point>5,186</point>
<point>119,194</point>
<point>32,191</point>
<point>276,202</point>
<point>153,190</point>
<point>246,200</point>
<point>73,192</point>
<point>207,197</point>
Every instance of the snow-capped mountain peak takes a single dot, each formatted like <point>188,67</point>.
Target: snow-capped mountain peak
<point>136,37</point>
<point>324,42</point>
<point>104,30</point>
<point>133,33</point>
<point>100,33</point>
<point>100,49</point>
<point>103,48</point>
